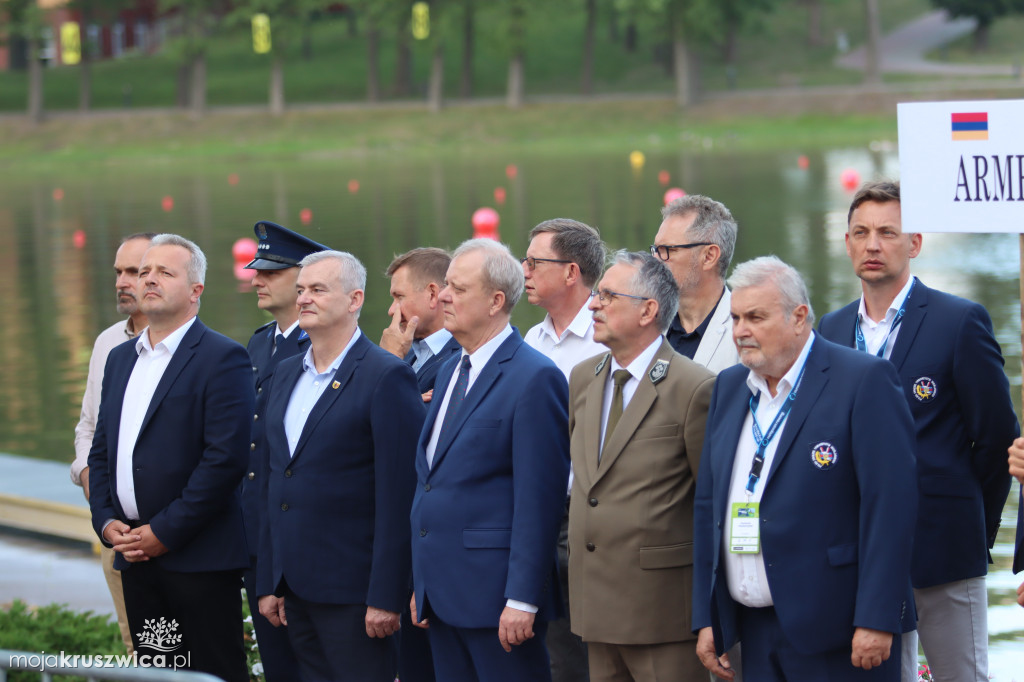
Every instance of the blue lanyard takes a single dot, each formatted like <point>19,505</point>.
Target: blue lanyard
<point>859,335</point>
<point>763,440</point>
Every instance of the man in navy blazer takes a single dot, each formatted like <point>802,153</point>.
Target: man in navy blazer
<point>951,375</point>
<point>275,269</point>
<point>171,443</point>
<point>802,524</point>
<point>491,468</point>
<point>342,423</point>
<point>416,333</point>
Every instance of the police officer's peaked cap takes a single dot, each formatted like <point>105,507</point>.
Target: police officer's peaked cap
<point>280,248</point>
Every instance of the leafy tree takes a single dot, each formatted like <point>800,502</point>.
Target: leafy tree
<point>289,20</point>
<point>197,20</point>
<point>25,27</point>
<point>91,12</point>
<point>985,12</point>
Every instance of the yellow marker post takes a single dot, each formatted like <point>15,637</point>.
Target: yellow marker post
<point>420,21</point>
<point>260,33</point>
<point>70,43</point>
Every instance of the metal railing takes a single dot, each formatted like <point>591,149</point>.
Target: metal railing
<point>92,668</point>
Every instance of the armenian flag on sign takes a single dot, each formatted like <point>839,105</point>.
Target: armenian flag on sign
<point>970,126</point>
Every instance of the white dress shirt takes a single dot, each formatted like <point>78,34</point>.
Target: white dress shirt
<point>310,385</point>
<point>109,338</point>
<point>575,345</point>
<point>637,369</point>
<point>877,333</point>
<point>138,394</point>
<point>745,573</point>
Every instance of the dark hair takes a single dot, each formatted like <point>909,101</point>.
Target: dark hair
<point>880,191</point>
<point>577,242</point>
<point>426,264</point>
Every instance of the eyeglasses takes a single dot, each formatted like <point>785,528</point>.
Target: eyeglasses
<point>606,296</point>
<point>663,251</point>
<point>531,262</point>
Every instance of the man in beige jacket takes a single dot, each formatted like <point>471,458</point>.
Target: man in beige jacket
<point>636,420</point>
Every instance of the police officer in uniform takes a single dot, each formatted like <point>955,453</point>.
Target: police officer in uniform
<point>275,270</point>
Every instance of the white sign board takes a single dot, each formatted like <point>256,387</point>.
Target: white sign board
<point>962,166</point>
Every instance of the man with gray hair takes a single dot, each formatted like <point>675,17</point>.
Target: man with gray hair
<point>696,239</point>
<point>806,498</point>
<point>171,443</point>
<point>491,468</point>
<point>563,263</point>
<point>636,421</point>
<point>342,421</point>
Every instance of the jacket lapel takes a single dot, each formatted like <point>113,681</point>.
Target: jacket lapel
<point>444,377</point>
<point>593,412</point>
<point>334,390</point>
<point>715,332</point>
<point>185,352</point>
<point>913,316</point>
<point>726,438</point>
<point>477,392</point>
<point>813,383</point>
<point>632,416</point>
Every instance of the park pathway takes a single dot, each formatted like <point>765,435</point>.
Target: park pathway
<point>904,49</point>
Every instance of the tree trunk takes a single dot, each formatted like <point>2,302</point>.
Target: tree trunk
<point>729,46</point>
<point>35,82</point>
<point>631,34</point>
<point>307,36</point>
<point>979,39</point>
<point>514,96</point>
<point>277,85</point>
<point>197,100</point>
<point>184,78</point>
<point>814,36</point>
<point>403,65</point>
<point>681,70</point>
<point>372,61</point>
<point>872,55</point>
<point>85,81</point>
<point>466,72</point>
<point>587,79</point>
<point>435,91</point>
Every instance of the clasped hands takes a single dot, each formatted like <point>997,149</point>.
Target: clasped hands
<point>134,544</point>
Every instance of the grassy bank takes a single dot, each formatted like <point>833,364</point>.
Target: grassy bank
<point>333,134</point>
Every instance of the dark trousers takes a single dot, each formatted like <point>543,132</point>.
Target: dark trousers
<point>331,644</point>
<point>279,663</point>
<point>415,662</point>
<point>475,655</point>
<point>186,620</point>
<point>569,661</point>
<point>769,657</point>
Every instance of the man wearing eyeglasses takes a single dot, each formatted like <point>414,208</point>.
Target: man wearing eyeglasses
<point>696,240</point>
<point>636,424</point>
<point>562,264</point>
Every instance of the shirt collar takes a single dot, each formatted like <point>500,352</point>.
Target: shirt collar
<point>437,340</point>
<point>640,363</point>
<point>756,383</point>
<point>579,326</point>
<point>287,332</point>
<point>170,342</point>
<point>482,355</point>
<point>309,366</point>
<point>894,307</point>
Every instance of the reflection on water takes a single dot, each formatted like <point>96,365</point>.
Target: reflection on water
<point>59,296</point>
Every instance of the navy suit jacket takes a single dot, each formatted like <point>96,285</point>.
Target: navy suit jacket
<point>427,373</point>
<point>836,540</point>
<point>963,428</point>
<point>264,362</point>
<point>486,515</point>
<point>191,451</point>
<point>338,510</point>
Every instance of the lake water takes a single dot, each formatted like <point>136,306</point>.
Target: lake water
<point>59,230</point>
